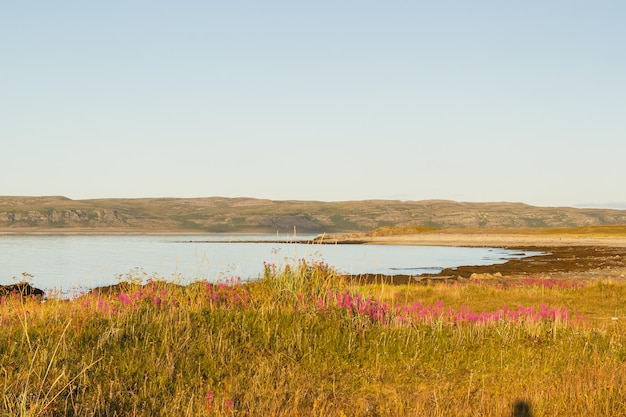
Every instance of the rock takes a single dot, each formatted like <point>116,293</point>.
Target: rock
<point>22,289</point>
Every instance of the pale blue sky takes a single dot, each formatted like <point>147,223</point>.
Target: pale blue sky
<point>326,100</point>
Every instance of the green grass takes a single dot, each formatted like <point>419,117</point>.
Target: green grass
<point>290,345</point>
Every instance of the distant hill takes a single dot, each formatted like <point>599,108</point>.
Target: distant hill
<point>613,205</point>
<point>218,214</point>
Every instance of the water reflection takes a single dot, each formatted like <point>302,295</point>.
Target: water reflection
<point>67,261</point>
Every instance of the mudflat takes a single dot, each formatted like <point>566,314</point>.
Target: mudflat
<point>584,257</point>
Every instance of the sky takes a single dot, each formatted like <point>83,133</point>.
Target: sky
<point>325,100</point>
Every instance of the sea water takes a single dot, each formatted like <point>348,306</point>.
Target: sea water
<point>67,263</point>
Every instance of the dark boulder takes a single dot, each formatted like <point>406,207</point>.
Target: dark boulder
<point>21,289</point>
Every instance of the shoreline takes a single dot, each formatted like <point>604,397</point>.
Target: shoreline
<point>480,239</point>
<point>111,231</point>
<point>584,256</point>
<point>441,238</point>
<point>584,263</point>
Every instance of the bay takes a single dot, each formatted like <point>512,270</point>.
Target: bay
<point>67,264</point>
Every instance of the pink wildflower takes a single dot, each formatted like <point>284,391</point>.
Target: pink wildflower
<point>124,298</point>
<point>209,401</point>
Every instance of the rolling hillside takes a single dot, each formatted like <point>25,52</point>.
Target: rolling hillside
<point>217,214</point>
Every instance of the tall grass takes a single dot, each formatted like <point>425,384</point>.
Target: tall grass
<point>303,342</point>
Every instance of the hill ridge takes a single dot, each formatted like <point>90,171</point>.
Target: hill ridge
<point>244,214</point>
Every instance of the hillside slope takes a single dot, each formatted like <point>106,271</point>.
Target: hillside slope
<point>218,214</point>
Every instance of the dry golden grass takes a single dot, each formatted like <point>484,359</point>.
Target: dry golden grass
<point>302,342</point>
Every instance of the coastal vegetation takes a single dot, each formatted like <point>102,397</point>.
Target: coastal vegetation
<point>305,341</point>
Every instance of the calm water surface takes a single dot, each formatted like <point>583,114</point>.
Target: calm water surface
<point>69,263</point>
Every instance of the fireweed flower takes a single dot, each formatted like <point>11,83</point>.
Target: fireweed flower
<point>124,298</point>
<point>228,406</point>
<point>417,312</point>
<point>209,401</point>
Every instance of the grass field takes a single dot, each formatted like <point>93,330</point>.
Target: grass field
<point>302,342</point>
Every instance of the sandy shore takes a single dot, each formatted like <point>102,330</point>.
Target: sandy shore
<point>495,240</point>
<point>562,256</point>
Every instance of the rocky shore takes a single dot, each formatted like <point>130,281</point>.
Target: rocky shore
<point>581,257</point>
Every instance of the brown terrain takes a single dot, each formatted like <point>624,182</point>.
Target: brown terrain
<point>585,243</point>
<point>585,253</point>
<point>248,215</point>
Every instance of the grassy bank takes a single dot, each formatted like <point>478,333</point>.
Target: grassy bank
<point>302,342</point>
